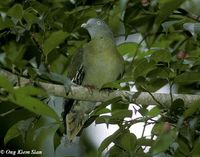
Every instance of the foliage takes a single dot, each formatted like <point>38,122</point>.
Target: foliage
<point>37,41</point>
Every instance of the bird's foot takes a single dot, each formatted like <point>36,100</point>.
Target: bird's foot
<point>90,88</point>
<point>108,90</point>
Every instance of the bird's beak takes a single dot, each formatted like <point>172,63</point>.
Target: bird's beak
<point>84,25</point>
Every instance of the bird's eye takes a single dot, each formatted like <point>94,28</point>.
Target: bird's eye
<point>98,22</point>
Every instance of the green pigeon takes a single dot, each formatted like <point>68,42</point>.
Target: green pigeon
<point>96,64</point>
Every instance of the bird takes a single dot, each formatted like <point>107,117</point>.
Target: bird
<point>98,62</point>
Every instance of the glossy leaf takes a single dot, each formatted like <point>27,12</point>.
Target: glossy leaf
<point>161,56</point>
<point>5,23</point>
<point>16,11</point>
<point>55,39</point>
<point>192,109</point>
<point>183,147</point>
<point>106,142</point>
<point>166,8</point>
<point>30,17</point>
<point>104,104</point>
<point>157,128</point>
<point>168,24</point>
<point>19,128</point>
<point>120,114</point>
<point>196,150</point>
<point>4,83</point>
<point>145,142</point>
<point>163,142</point>
<point>116,151</point>
<point>127,48</point>
<point>31,91</point>
<point>155,111</point>
<point>127,141</point>
<point>177,104</point>
<point>188,77</point>
<point>143,67</point>
<point>34,105</point>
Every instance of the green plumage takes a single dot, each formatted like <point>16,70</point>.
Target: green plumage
<point>101,64</point>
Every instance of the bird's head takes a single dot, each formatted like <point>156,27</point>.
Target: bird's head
<point>97,28</point>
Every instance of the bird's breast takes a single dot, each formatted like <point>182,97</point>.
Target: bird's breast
<point>102,64</point>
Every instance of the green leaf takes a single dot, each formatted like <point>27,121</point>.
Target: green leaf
<point>77,9</point>
<point>53,41</point>
<point>116,116</point>
<point>33,105</point>
<point>45,136</point>
<point>117,152</point>
<point>177,105</point>
<point>153,85</point>
<point>163,142</point>
<point>5,23</point>
<point>157,129</point>
<point>127,48</point>
<point>19,128</point>
<point>4,83</point>
<point>102,111</point>
<point>155,111</point>
<point>196,150</point>
<point>166,9</point>
<point>166,25</point>
<point>188,77</point>
<point>143,111</point>
<point>31,91</point>
<point>119,106</point>
<point>106,142</point>
<point>16,11</point>
<point>106,119</point>
<point>192,109</point>
<point>159,73</point>
<point>30,17</point>
<point>183,147</point>
<point>161,56</point>
<point>121,114</point>
<point>15,51</point>
<point>39,7</point>
<point>142,67</point>
<point>145,142</point>
<point>127,141</point>
<point>104,104</point>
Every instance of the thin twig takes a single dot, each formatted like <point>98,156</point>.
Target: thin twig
<point>184,12</point>
<point>143,130</point>
<point>35,42</point>
<point>10,111</point>
<point>136,52</point>
<point>180,44</point>
<point>153,33</point>
<point>170,92</point>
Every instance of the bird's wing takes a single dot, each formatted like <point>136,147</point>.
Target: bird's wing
<point>77,113</point>
<point>78,78</point>
<point>75,69</point>
<point>76,74</point>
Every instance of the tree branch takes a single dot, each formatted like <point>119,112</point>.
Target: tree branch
<point>144,98</point>
<point>83,93</point>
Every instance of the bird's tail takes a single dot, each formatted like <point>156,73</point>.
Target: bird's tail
<point>76,118</point>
